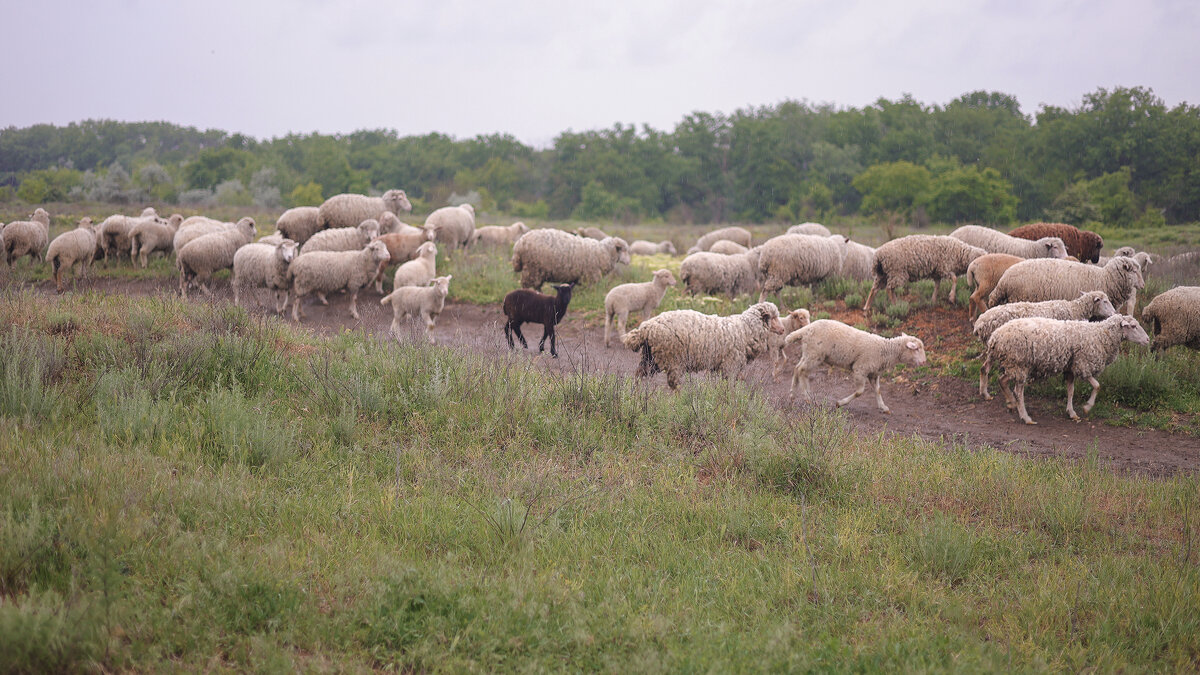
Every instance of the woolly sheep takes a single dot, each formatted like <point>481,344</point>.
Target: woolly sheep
<point>423,302</point>
<point>524,305</point>
<point>591,233</point>
<point>795,320</point>
<point>557,256</point>
<point>997,242</point>
<point>153,236</point>
<point>735,234</point>
<point>921,256</point>
<point>1083,244</point>
<point>794,259</point>
<point>1144,261</point>
<point>1045,279</point>
<point>265,266</point>
<point>453,225</point>
<point>983,274</point>
<point>643,247</point>
<point>69,248</point>
<point>329,271</point>
<point>389,223</point>
<point>1174,316</point>
<point>402,247</point>
<point>707,272</point>
<point>420,270</point>
<point>299,223</point>
<point>864,354</point>
<point>810,228</point>
<point>348,210</point>
<point>342,238</point>
<point>495,235</point>
<point>1038,347</point>
<point>640,297</point>
<point>684,341</point>
<point>199,258</point>
<point>1090,305</point>
<point>274,239</point>
<point>726,247</point>
<point>113,234</point>
<point>27,237</point>
<point>194,227</point>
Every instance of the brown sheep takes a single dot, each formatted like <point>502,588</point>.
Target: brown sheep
<point>1083,244</point>
<point>983,274</point>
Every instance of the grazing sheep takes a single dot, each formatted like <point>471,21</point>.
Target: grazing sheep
<point>27,237</point>
<point>1039,347</point>
<point>153,236</point>
<point>342,238</point>
<point>424,302</point>
<point>199,258</point>
<point>1083,244</point>
<point>348,210</point>
<point>983,274</point>
<point>625,298</point>
<point>329,271</point>
<point>495,235</point>
<point>420,270</point>
<point>706,272</point>
<point>1088,306</point>
<point>810,228</point>
<point>528,306</point>
<point>864,354</point>
<point>1045,279</point>
<point>795,259</point>
<point>643,247</point>
<point>113,234</point>
<point>795,320</point>
<point>735,234</point>
<point>299,223</point>
<point>264,265</point>
<point>726,247</point>
<point>402,247</point>
<point>195,227</point>
<point>69,248</point>
<point>997,242</point>
<point>859,263</point>
<point>685,341</point>
<point>591,233</point>
<point>1174,316</point>
<point>920,256</point>
<point>453,225</point>
<point>557,256</point>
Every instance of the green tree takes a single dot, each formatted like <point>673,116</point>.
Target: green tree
<point>894,187</point>
<point>971,194</point>
<point>308,194</point>
<point>597,203</point>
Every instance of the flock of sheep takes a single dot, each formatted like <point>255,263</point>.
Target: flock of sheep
<point>1045,301</point>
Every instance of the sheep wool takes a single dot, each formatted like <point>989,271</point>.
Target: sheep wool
<point>591,233</point>
<point>27,237</point>
<point>113,234</point>
<point>199,258</point>
<point>266,266</point>
<point>420,270</point>
<point>421,302</point>
<point>452,225</point>
<point>641,297</point>
<point>152,236</point>
<point>329,271</point>
<point>299,223</point>
<point>795,320</point>
<point>795,259</point>
<point>1083,244</point>
<point>1174,316</point>
<point>726,247</point>
<point>859,263</point>
<point>706,272</point>
<point>810,228</point>
<point>348,210</point>
<point>997,242</point>
<point>77,246</point>
<point>920,256</point>
<point>643,247</point>
<point>342,238</point>
<point>495,235</point>
<point>402,247</point>
<point>983,274</point>
<point>557,256</point>
<point>194,227</point>
<point>738,235</point>
<point>1046,279</point>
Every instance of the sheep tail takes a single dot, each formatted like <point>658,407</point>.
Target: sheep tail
<point>387,298</point>
<point>55,263</point>
<point>647,367</point>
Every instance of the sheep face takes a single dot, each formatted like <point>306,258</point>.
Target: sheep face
<point>397,201</point>
<point>286,250</point>
<point>667,247</point>
<point>622,250</point>
<point>913,352</point>
<point>665,277</point>
<point>442,284</point>
<point>427,249</point>
<point>379,252</point>
<point>1102,307</point>
<point>1132,271</point>
<point>369,228</point>
<point>1132,330</point>
<point>1054,246</point>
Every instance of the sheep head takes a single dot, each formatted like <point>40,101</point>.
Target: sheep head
<point>369,227</point>
<point>1132,330</point>
<point>286,250</point>
<point>664,277</point>
<point>619,248</point>
<point>913,350</point>
<point>1102,307</point>
<point>397,201</point>
<point>378,252</point>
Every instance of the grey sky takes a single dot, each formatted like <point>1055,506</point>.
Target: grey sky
<point>536,68</point>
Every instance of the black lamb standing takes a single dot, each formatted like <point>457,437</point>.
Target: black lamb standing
<point>528,306</point>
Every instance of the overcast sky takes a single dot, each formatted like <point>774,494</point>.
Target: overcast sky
<point>534,68</point>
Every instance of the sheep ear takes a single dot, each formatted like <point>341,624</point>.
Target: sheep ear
<point>912,344</point>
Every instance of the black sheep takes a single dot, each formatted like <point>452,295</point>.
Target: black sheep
<point>528,306</point>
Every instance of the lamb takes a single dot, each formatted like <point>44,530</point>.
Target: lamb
<point>795,320</point>
<point>264,265</point>
<point>859,263</point>
<point>726,247</point>
<point>390,223</point>
<point>1083,244</point>
<point>707,272</point>
<point>425,302</point>
<point>27,237</point>
<point>735,234</point>
<point>402,247</point>
<point>494,235</point>
<point>113,234</point>
<point>864,354</point>
<point>983,274</point>
<point>1037,280</point>
<point>194,227</point>
<point>557,256</point>
<point>1088,306</point>
<point>453,225</point>
<point>329,271</point>
<point>793,259</point>
<point>153,236</point>
<point>643,247</point>
<point>342,238</point>
<point>685,341</point>
<point>69,248</point>
<point>591,233</point>
<point>921,256</point>
<point>642,297</point>
<point>299,223</point>
<point>1174,316</point>
<point>199,258</point>
<point>529,306</point>
<point>997,242</point>
<point>1038,347</point>
<point>348,210</point>
<point>420,270</point>
<point>810,228</point>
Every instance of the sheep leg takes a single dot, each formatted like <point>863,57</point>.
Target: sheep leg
<point>281,298</point>
<point>985,372</point>
<point>354,304</point>
<point>297,311</point>
<point>1087,407</point>
<point>622,317</point>
<point>871,294</point>
<point>1019,390</point>
<point>879,397</point>
<point>323,299</point>
<point>953,287</point>
<point>1010,401</point>
<point>1069,379</point>
<point>937,286</point>
<point>429,322</point>
<point>608,319</point>
<point>516,328</point>
<point>860,386</point>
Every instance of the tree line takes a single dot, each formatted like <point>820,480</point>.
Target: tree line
<point>1121,157</point>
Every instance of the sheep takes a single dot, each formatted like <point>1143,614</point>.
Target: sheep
<point>591,233</point>
<point>389,223</point>
<point>642,297</point>
<point>342,238</point>
<point>69,248</point>
<point>921,256</point>
<point>453,225</point>
<point>199,258</point>
<point>274,239</point>
<point>735,234</point>
<point>643,247</point>
<point>348,210</point>
<point>557,256</point>
<point>793,259</point>
<point>299,223</point>
<point>424,302</point>
<point>524,305</point>
<point>264,265</point>
<point>1144,260</point>
<point>1083,244</point>
<point>997,242</point>
<point>402,247</point>
<point>151,236</point>
<point>194,227</point>
<point>707,272</point>
<point>864,354</point>
<point>685,341</point>
<point>1088,306</point>
<point>726,247</point>
<point>810,228</point>
<point>420,270</point>
<point>329,271</point>
<point>1038,347</point>
<point>113,234</point>
<point>983,274</point>
<point>795,320</point>
<point>1044,279</point>
<point>27,237</point>
<point>1174,316</point>
<point>494,235</point>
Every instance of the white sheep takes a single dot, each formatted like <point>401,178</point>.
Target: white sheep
<point>591,233</point>
<point>920,256</point>
<point>983,274</point>
<point>739,235</point>
<point>402,246</point>
<point>299,223</point>
<point>153,236</point>
<point>194,227</point>
<point>389,223</point>
<point>420,270</point>
<point>794,259</point>
<point>423,302</point>
<point>342,238</point>
<point>199,258</point>
<point>1047,279</point>
<point>643,247</point>
<point>329,271</point>
<point>1039,347</point>
<point>1144,261</point>
<point>1174,316</point>
<point>453,225</point>
<point>638,297</point>
<point>998,242</point>
<point>561,257</point>
<point>495,235</point>
<point>76,246</point>
<point>859,263</point>
<point>726,247</point>
<point>810,228</point>
<point>864,354</point>
<point>685,341</point>
<point>795,320</point>
<point>27,237</point>
<point>266,266</point>
<point>274,239</point>
<point>706,272</point>
<point>348,210</point>
<point>113,233</point>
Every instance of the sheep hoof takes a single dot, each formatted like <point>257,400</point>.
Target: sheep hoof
<point>1030,422</point>
<point>987,396</point>
<point>886,411</point>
